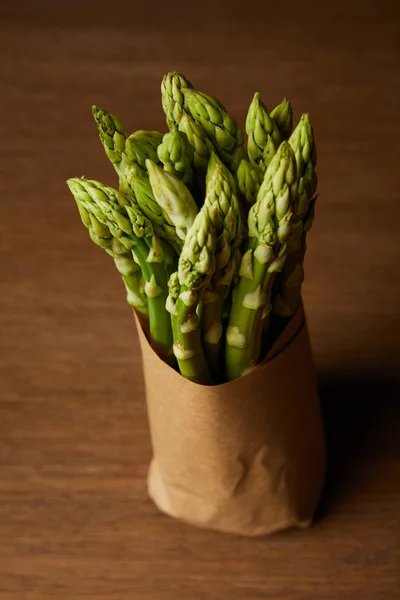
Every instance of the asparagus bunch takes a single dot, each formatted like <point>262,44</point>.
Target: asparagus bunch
<point>207,232</point>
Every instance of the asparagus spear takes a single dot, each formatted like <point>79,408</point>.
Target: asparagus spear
<point>249,177</point>
<point>112,136</point>
<point>101,235</point>
<point>225,134</point>
<point>289,281</point>
<point>173,197</point>
<point>263,134</point>
<point>127,223</point>
<point>224,210</point>
<point>269,225</point>
<point>172,98</point>
<point>268,153</point>
<point>137,186</point>
<point>201,144</point>
<point>142,145</point>
<point>186,288</point>
<point>176,155</point>
<point>302,142</point>
<point>282,115</point>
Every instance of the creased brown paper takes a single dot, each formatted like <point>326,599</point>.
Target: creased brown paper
<point>245,457</point>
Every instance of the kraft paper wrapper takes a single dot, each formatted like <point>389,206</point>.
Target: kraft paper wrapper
<point>245,457</point>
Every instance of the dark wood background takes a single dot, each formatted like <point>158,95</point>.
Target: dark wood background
<point>75,520</point>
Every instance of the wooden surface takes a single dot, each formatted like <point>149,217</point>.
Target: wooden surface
<point>75,520</point>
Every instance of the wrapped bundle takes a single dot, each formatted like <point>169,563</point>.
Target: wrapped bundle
<point>208,231</point>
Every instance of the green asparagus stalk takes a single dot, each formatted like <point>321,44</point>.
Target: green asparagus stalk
<point>101,235</point>
<point>263,134</point>
<point>173,197</point>
<point>176,155</point>
<point>282,115</point>
<point>223,131</point>
<point>270,226</point>
<point>186,288</point>
<point>142,145</point>
<point>172,98</point>
<point>289,282</point>
<point>112,136</point>
<point>224,210</point>
<point>138,186</point>
<point>134,231</point>
<point>249,177</point>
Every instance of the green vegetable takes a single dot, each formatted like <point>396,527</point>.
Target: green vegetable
<point>224,210</point>
<point>212,292</point>
<point>174,199</point>
<point>269,224</point>
<point>263,134</point>
<point>142,145</point>
<point>282,115</point>
<point>172,98</point>
<point>176,155</point>
<point>223,131</point>
<point>101,235</point>
<point>289,282</point>
<point>186,288</point>
<point>134,231</point>
<point>249,177</point>
<point>138,186</point>
<point>112,136</point>
<point>201,144</point>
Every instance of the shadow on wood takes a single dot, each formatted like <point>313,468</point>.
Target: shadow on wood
<point>360,411</point>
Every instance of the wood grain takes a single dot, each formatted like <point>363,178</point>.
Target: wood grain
<point>75,520</point>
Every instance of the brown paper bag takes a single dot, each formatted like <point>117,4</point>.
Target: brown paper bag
<point>245,457</point>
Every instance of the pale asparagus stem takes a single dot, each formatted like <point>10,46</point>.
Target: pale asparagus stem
<point>173,197</point>
<point>149,254</point>
<point>211,115</point>
<point>133,279</point>
<point>214,306</point>
<point>156,288</point>
<point>224,211</point>
<point>185,329</point>
<point>134,231</point>
<point>263,134</point>
<point>287,293</point>
<point>282,115</point>
<point>195,269</point>
<point>172,98</point>
<point>176,155</point>
<point>270,226</point>
<point>112,136</point>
